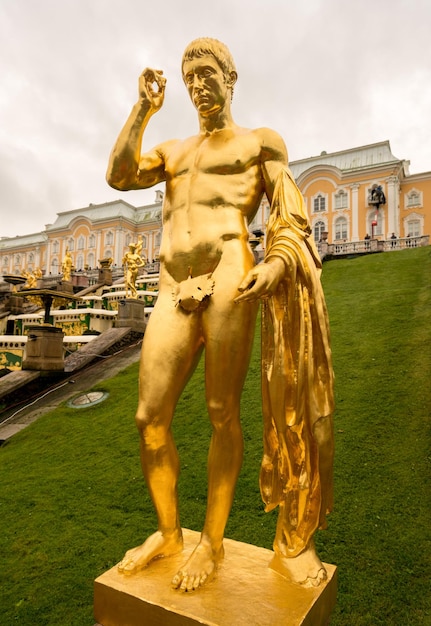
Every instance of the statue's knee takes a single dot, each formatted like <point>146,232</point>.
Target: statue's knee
<point>144,422</point>
<point>222,414</point>
<point>152,431</point>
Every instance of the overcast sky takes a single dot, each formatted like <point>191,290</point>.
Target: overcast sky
<point>326,74</point>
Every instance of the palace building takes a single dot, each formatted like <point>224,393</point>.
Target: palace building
<point>352,197</point>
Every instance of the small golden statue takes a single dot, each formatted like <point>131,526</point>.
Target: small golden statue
<point>132,261</point>
<point>67,266</point>
<point>215,181</point>
<point>31,280</point>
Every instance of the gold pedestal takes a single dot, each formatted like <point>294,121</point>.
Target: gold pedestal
<point>245,592</point>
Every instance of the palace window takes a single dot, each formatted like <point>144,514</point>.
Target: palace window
<point>413,199</point>
<point>414,228</point>
<point>80,262</point>
<point>158,238</point>
<point>372,217</point>
<point>71,245</point>
<point>91,260</point>
<point>341,199</point>
<point>81,243</point>
<point>340,228</point>
<point>6,260</point>
<point>109,239</point>
<point>319,203</point>
<point>128,239</point>
<point>92,241</point>
<point>55,247</point>
<point>318,229</point>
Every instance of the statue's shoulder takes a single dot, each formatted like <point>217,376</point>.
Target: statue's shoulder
<point>272,144</point>
<point>268,136</point>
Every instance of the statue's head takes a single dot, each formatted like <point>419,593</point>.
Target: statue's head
<point>221,53</point>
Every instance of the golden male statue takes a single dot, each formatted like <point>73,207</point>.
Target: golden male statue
<point>132,261</point>
<point>208,298</point>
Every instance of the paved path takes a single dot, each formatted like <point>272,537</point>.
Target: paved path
<point>68,388</point>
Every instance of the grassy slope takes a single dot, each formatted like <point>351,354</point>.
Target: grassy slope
<point>72,497</point>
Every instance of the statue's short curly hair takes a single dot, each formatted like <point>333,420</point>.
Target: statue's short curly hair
<point>207,45</point>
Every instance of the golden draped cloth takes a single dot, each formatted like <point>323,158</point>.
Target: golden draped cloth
<point>297,379</point>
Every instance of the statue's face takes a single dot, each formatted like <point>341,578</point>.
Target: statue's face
<point>206,83</point>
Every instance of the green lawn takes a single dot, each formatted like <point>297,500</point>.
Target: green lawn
<point>72,497</point>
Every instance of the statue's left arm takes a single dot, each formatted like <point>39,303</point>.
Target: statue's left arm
<point>262,281</point>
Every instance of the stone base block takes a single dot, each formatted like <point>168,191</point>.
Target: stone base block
<point>245,592</point>
<point>44,349</point>
<point>131,313</point>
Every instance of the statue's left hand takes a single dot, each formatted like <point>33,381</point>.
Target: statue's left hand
<point>261,281</point>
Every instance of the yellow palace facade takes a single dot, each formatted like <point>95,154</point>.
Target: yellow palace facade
<point>339,190</point>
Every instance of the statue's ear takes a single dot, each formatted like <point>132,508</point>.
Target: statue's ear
<point>233,77</point>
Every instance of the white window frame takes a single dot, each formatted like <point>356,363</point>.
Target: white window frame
<point>320,199</point>
<point>409,197</point>
<point>342,219</point>
<point>341,200</point>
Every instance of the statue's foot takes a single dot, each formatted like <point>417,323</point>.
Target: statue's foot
<point>306,569</point>
<point>156,546</point>
<point>199,569</point>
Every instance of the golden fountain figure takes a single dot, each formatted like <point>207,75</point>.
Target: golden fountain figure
<point>67,265</point>
<point>132,261</point>
<point>209,294</point>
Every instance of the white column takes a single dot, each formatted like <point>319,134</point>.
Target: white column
<point>97,249</point>
<point>392,204</point>
<point>355,211</point>
<point>118,246</point>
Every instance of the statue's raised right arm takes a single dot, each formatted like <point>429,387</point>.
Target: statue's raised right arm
<point>127,169</point>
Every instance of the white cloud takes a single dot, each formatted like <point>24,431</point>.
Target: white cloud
<point>326,74</point>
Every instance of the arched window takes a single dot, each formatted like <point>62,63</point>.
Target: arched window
<point>158,238</point>
<point>92,241</point>
<point>340,228</point>
<point>80,262</point>
<point>81,243</point>
<point>319,203</point>
<point>318,229</point>
<point>109,238</point>
<point>91,260</point>
<point>128,239</point>
<point>341,199</point>
<point>372,217</point>
<point>55,247</point>
<point>71,244</point>
<point>413,199</point>
<point>54,266</point>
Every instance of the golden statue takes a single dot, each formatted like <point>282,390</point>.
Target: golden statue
<point>209,294</point>
<point>132,261</point>
<point>67,265</point>
<point>31,279</point>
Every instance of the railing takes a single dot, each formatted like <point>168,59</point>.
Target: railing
<point>366,246</point>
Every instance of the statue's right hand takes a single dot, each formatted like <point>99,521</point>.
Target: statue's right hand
<point>152,88</point>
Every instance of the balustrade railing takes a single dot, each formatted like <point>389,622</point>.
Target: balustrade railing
<point>371,245</point>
